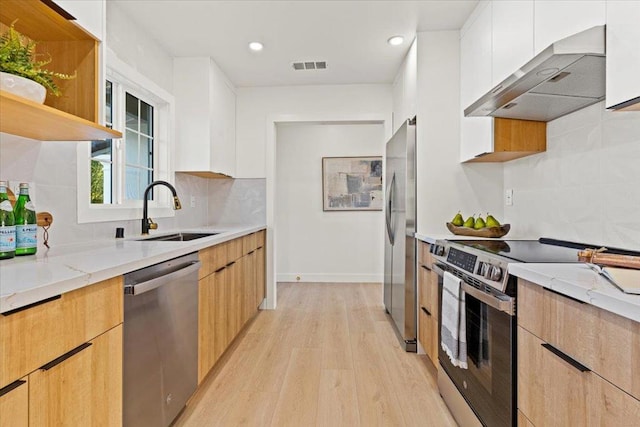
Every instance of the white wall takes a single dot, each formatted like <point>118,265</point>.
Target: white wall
<point>586,186</point>
<point>320,246</point>
<point>444,185</point>
<point>255,105</point>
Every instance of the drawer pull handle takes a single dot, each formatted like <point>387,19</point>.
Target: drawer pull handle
<point>425,267</point>
<point>251,252</point>
<point>220,269</point>
<point>426,311</point>
<point>571,361</point>
<point>563,295</point>
<point>14,385</point>
<point>230,264</point>
<point>26,307</point>
<point>65,356</point>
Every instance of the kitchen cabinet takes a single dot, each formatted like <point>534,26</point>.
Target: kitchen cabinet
<point>88,14</point>
<point>557,19</point>
<point>81,387</point>
<point>576,362</point>
<point>75,115</point>
<point>68,350</point>
<point>475,79</point>
<point>14,404</point>
<point>228,297</point>
<point>496,40</point>
<point>205,119</point>
<point>428,333</point>
<point>623,55</point>
<point>511,37</point>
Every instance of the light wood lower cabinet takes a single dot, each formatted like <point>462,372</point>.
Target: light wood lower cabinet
<point>427,305</point>
<point>68,351</point>
<point>523,421</point>
<point>14,404</point>
<point>261,276</point>
<point>228,297</point>
<point>82,387</point>
<point>577,364</point>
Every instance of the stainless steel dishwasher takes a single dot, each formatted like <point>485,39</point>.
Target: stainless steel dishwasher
<point>160,341</point>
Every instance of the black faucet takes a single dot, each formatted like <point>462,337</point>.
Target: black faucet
<point>147,223</point>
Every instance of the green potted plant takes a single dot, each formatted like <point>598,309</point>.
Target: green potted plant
<point>19,68</point>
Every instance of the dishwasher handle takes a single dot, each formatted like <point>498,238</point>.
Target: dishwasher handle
<point>142,287</point>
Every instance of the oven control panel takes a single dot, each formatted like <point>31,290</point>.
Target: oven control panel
<point>463,260</point>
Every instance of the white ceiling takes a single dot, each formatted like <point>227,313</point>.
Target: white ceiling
<point>351,36</point>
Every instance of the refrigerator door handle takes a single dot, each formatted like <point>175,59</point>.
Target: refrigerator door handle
<point>389,207</point>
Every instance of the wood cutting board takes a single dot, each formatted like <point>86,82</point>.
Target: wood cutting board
<point>627,279</point>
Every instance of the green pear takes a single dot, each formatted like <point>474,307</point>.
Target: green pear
<point>457,220</point>
<point>491,221</point>
<point>470,222</point>
<point>479,223</point>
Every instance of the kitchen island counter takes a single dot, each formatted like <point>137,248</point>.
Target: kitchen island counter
<point>580,282</point>
<point>27,280</point>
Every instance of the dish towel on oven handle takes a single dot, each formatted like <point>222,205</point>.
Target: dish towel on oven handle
<point>453,330</point>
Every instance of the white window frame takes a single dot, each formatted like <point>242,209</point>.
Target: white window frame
<point>163,103</point>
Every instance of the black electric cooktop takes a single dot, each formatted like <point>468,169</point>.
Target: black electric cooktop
<point>526,250</point>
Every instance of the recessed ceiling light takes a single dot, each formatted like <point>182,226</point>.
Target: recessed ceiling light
<point>395,40</point>
<point>256,46</point>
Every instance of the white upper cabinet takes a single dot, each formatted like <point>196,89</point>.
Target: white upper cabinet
<point>557,19</point>
<point>512,37</point>
<point>89,14</point>
<point>405,87</point>
<point>623,53</point>
<point>205,118</point>
<point>476,80</point>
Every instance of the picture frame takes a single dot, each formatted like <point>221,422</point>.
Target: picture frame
<point>352,184</point>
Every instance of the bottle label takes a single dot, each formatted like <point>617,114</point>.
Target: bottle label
<point>5,205</point>
<point>26,236</point>
<point>7,239</point>
<point>30,206</point>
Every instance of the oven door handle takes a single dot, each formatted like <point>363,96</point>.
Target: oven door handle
<point>507,306</point>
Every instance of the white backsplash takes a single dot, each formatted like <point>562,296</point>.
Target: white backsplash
<point>586,186</point>
<point>51,166</point>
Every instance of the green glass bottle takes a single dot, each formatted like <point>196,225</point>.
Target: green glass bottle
<point>7,225</point>
<point>26,226</point>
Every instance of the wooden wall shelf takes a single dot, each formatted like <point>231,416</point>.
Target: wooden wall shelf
<point>74,116</point>
<point>36,121</point>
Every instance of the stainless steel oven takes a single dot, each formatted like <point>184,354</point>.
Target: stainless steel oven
<point>485,392</point>
<point>488,384</point>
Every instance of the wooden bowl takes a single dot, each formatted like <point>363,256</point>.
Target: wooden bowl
<point>491,232</point>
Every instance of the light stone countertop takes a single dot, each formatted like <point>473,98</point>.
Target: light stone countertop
<point>26,280</point>
<point>582,283</point>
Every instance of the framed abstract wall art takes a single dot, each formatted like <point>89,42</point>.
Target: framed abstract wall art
<point>352,183</point>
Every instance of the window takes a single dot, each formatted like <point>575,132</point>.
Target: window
<point>113,174</point>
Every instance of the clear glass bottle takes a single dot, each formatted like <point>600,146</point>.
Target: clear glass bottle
<point>7,225</point>
<point>26,223</point>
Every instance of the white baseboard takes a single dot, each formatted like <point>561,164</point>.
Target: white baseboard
<point>324,277</point>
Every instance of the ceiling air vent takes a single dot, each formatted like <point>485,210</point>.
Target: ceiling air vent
<point>310,65</point>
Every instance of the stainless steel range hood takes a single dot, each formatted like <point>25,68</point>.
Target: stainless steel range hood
<point>565,77</point>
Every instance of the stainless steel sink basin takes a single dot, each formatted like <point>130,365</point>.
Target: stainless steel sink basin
<point>180,237</point>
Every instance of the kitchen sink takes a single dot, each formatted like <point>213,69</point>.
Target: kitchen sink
<point>179,237</point>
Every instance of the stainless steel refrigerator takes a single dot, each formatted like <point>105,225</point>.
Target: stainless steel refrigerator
<point>400,242</point>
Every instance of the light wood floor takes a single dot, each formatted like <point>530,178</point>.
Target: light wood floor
<point>326,357</point>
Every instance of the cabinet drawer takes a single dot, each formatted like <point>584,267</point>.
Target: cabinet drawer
<point>553,390</point>
<point>249,243</point>
<point>424,297</point>
<point>31,337</point>
<point>261,237</point>
<point>424,256</point>
<point>234,249</point>
<point>605,342</point>
<point>14,404</point>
